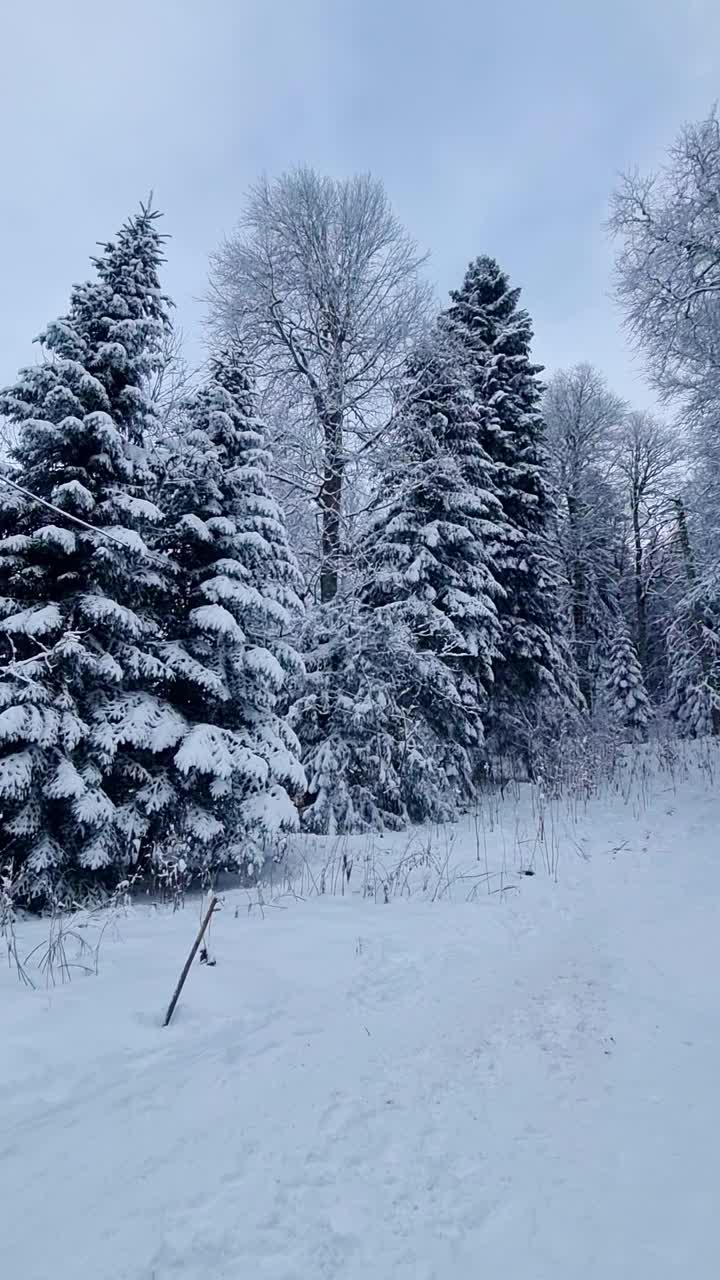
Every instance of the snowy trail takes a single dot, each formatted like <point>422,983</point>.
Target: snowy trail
<point>422,1092</point>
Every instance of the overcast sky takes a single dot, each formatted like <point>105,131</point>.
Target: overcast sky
<point>498,127</point>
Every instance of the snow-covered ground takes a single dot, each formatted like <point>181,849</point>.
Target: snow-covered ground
<point>492,1075</point>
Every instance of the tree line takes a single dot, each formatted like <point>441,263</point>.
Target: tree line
<point>365,555</point>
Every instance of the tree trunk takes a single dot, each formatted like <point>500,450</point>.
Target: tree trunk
<point>331,506</point>
<point>579,611</point>
<point>684,541</point>
<point>640,593</point>
<point>582,645</point>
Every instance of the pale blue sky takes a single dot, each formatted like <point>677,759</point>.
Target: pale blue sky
<point>497,128</point>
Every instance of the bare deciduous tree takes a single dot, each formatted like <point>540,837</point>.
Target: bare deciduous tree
<point>582,416</point>
<point>648,461</point>
<point>321,284</point>
<point>669,266</point>
<point>171,381</point>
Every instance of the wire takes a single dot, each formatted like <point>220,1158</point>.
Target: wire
<point>66,515</point>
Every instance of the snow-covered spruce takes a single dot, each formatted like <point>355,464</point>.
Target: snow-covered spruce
<point>431,554</point>
<point>393,720</point>
<point>693,657</point>
<point>534,664</point>
<point>626,700</point>
<point>225,783</point>
<point>81,597</point>
<point>372,760</point>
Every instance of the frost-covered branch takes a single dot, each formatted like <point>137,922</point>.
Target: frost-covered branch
<point>668,268</point>
<point>322,285</point>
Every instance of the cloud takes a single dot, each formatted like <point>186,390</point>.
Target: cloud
<point>496,128</point>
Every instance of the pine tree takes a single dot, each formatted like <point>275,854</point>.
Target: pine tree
<point>534,663</point>
<point>397,700</point>
<point>226,789</point>
<point>80,590</point>
<point>626,699</point>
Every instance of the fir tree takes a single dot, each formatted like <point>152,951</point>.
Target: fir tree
<point>626,699</point>
<point>693,658</point>
<point>431,547</point>
<point>428,588</point>
<point>80,589</point>
<point>534,662</point>
<point>227,787</point>
<point>372,760</point>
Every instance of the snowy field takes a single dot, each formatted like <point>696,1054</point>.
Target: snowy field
<point>488,1074</point>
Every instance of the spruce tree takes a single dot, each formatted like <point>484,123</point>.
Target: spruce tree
<point>693,659</point>
<point>626,700</point>
<point>228,786</point>
<point>372,760</point>
<point>80,590</point>
<point>396,702</point>
<point>534,664</point>
<point>431,547</point>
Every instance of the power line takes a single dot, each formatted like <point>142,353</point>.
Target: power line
<point>66,515</point>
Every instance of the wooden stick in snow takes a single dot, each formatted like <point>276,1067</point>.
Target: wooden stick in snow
<point>188,962</point>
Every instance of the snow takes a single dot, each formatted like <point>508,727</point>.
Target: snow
<point>66,781</point>
<point>499,1074</point>
<point>129,538</point>
<point>263,662</point>
<point>34,622</point>
<point>63,539</point>
<point>102,609</point>
<point>141,719</point>
<point>137,508</point>
<point>197,525</point>
<point>208,749</point>
<point>213,617</point>
<point>39,724</point>
<point>72,492</point>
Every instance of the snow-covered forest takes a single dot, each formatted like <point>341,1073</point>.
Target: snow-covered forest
<point>366,561</point>
<point>359,640</point>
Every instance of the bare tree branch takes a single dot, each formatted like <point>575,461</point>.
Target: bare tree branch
<point>322,285</point>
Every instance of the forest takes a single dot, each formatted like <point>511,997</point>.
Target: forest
<point>366,562</point>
